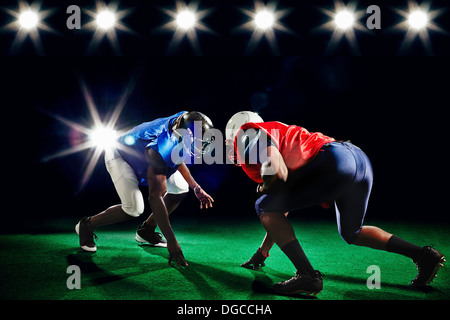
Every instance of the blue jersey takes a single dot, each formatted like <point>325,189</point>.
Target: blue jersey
<point>156,135</point>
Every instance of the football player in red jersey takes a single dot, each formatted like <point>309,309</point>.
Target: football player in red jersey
<point>295,169</point>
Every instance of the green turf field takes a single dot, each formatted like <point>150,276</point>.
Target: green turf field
<point>33,265</point>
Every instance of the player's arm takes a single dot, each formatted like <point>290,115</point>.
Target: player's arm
<point>157,185</point>
<point>205,199</point>
<point>273,170</point>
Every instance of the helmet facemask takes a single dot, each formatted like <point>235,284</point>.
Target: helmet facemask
<point>190,131</point>
<point>232,153</point>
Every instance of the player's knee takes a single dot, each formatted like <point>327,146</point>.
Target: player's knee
<point>133,203</point>
<point>259,206</point>
<point>349,235</point>
<point>133,209</point>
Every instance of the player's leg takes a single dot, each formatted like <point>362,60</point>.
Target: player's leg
<point>177,189</point>
<point>427,259</point>
<point>127,187</point>
<point>306,280</point>
<point>132,202</point>
<point>172,201</point>
<point>350,212</point>
<point>319,181</point>
<point>372,237</point>
<point>146,232</point>
<point>280,230</point>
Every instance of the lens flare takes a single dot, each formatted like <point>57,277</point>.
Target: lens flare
<point>185,21</point>
<point>29,19</point>
<point>344,20</point>
<point>264,21</point>
<point>106,19</point>
<point>101,136</point>
<point>106,22</point>
<point>417,23</point>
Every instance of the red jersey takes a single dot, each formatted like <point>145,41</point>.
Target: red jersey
<point>297,145</point>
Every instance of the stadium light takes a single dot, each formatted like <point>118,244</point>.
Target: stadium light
<point>418,19</point>
<point>344,19</point>
<point>186,20</point>
<point>264,20</point>
<point>29,20</point>
<point>263,23</point>
<point>106,20</point>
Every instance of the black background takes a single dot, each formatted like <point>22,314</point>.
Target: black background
<point>394,109</point>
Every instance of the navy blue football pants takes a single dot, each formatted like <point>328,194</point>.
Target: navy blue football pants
<point>340,172</point>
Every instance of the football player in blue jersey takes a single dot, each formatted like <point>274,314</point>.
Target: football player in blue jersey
<point>153,154</point>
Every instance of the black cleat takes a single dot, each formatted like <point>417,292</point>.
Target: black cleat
<point>146,235</point>
<point>310,284</point>
<point>86,235</point>
<point>428,264</point>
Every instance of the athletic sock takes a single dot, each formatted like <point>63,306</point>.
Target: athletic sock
<point>403,247</point>
<point>295,253</point>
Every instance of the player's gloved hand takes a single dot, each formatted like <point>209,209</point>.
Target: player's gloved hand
<point>176,254</point>
<point>205,199</point>
<point>256,261</point>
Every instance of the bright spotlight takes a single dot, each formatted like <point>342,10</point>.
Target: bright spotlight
<point>344,19</point>
<point>186,19</point>
<point>29,20</point>
<point>344,22</point>
<point>106,19</point>
<point>100,136</point>
<point>418,19</point>
<point>264,20</point>
<point>103,137</point>
<point>106,22</point>
<point>418,22</point>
